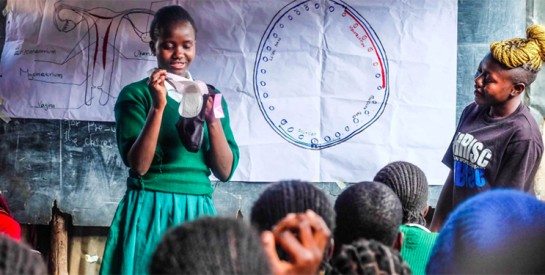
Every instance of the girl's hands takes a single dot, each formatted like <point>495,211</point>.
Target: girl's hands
<point>304,237</point>
<point>142,152</point>
<point>156,85</point>
<point>209,112</point>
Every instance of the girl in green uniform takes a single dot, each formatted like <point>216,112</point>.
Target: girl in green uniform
<point>167,185</point>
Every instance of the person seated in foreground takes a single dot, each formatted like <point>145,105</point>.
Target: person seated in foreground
<point>409,182</point>
<point>292,196</point>
<point>497,232</point>
<point>304,237</point>
<point>368,210</point>
<point>369,257</point>
<point>210,245</point>
<point>18,258</point>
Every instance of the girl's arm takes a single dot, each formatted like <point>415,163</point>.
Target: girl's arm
<point>220,156</point>
<point>444,204</point>
<point>142,151</point>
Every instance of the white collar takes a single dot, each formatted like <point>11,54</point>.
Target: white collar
<point>418,225</point>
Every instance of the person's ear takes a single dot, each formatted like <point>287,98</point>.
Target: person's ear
<point>398,242</point>
<point>425,211</point>
<point>518,88</point>
<point>152,47</point>
<point>330,249</point>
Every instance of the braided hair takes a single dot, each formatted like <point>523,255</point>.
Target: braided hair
<point>368,210</point>
<point>526,52</point>
<point>290,196</point>
<point>210,245</point>
<point>18,258</point>
<point>411,186</point>
<point>523,57</point>
<point>368,257</point>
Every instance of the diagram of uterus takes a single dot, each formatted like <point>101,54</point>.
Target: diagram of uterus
<point>99,47</point>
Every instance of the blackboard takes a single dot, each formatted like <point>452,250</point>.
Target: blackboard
<point>75,163</point>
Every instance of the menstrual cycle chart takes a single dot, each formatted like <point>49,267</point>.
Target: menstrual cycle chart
<point>339,65</point>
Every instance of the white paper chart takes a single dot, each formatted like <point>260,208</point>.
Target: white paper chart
<point>318,90</point>
<point>324,32</point>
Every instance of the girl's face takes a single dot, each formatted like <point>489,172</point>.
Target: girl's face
<point>175,48</point>
<point>493,84</point>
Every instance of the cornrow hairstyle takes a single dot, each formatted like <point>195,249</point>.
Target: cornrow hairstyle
<point>496,232</point>
<point>410,185</point>
<point>369,257</point>
<point>210,245</point>
<point>18,258</point>
<point>369,210</point>
<point>290,196</point>
<point>166,17</point>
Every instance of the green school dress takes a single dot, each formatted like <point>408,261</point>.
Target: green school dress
<point>176,188</point>
<point>417,246</point>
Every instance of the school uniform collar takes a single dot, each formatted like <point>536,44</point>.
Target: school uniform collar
<point>418,225</point>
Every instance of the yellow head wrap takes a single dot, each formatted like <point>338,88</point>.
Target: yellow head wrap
<point>518,52</point>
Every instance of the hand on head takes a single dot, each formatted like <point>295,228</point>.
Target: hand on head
<point>304,236</point>
<point>156,85</point>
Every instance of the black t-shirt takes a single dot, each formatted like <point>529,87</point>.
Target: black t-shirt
<point>490,153</point>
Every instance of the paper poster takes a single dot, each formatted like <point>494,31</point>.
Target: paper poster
<point>319,90</point>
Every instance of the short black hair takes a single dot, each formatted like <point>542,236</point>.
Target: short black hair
<point>290,196</point>
<point>369,210</point>
<point>523,75</point>
<point>210,245</point>
<point>166,17</point>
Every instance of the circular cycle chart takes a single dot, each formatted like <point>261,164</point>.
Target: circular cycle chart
<point>321,74</point>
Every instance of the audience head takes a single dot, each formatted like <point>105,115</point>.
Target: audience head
<point>369,257</point>
<point>304,237</point>
<point>210,245</point>
<point>498,231</point>
<point>410,185</point>
<point>18,258</point>
<point>285,197</point>
<point>369,210</point>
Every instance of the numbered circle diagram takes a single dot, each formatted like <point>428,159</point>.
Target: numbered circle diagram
<point>321,74</point>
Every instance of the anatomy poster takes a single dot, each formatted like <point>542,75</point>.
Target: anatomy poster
<point>319,90</point>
